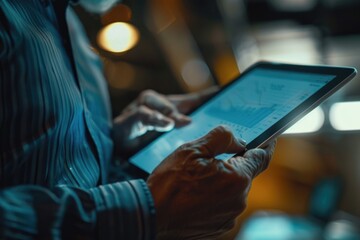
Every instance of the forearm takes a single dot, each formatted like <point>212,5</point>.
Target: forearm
<point>116,211</point>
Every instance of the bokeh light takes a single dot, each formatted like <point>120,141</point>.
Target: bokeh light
<point>118,37</point>
<point>311,122</point>
<point>345,116</point>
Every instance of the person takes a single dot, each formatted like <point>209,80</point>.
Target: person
<point>57,140</point>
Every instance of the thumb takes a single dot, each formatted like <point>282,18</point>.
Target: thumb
<point>220,140</point>
<point>254,161</point>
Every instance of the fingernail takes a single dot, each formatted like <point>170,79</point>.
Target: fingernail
<point>166,127</point>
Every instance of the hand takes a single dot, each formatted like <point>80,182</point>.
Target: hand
<point>154,111</point>
<point>185,103</point>
<point>198,196</point>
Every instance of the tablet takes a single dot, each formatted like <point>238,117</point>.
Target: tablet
<point>257,106</point>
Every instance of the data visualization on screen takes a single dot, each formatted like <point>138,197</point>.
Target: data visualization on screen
<point>248,107</point>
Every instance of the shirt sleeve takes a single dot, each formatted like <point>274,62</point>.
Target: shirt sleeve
<point>122,210</point>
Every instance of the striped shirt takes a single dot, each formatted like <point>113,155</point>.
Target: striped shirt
<point>55,125</point>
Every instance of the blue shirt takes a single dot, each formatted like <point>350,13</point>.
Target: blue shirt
<point>55,126</point>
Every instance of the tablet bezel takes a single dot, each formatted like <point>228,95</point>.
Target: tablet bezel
<point>343,74</point>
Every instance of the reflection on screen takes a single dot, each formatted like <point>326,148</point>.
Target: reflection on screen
<point>248,108</point>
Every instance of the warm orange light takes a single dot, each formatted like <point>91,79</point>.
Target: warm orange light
<point>118,37</point>
<point>119,13</point>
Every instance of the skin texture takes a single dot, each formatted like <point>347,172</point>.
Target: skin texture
<point>198,196</point>
<point>154,111</point>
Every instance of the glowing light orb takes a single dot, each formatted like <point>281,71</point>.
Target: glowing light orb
<point>118,37</point>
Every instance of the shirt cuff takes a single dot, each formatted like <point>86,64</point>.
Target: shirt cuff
<point>125,210</point>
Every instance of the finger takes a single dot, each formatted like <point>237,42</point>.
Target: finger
<point>187,102</point>
<point>254,161</point>
<point>180,119</point>
<point>270,147</point>
<point>205,94</point>
<point>160,103</point>
<point>219,140</point>
<point>154,120</point>
<point>156,101</point>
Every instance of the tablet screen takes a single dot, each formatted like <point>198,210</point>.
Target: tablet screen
<point>249,106</point>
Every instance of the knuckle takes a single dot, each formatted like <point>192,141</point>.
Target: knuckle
<point>145,114</point>
<point>143,111</point>
<point>222,128</point>
<point>148,92</point>
<point>144,95</point>
<point>185,146</point>
<point>223,134</point>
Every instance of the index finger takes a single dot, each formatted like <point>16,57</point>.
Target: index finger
<point>217,141</point>
<point>160,103</point>
<point>187,102</point>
